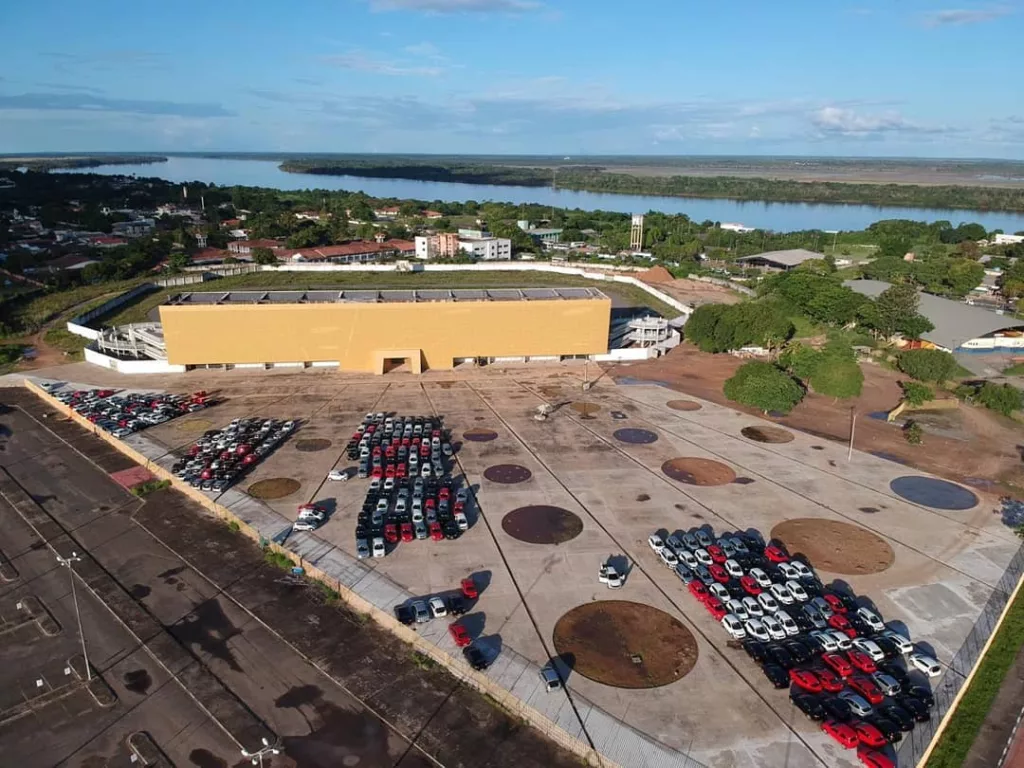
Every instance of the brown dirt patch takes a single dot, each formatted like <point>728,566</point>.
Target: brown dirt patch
<point>507,474</point>
<point>193,426</point>
<point>479,435</point>
<point>585,409</point>
<point>540,524</point>
<point>312,445</point>
<point>694,471</point>
<point>625,644</point>
<point>835,546</point>
<point>683,405</point>
<point>274,488</point>
<point>767,434</point>
<point>656,275</point>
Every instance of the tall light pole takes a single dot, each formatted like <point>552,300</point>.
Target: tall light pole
<point>266,749</point>
<point>68,562</point>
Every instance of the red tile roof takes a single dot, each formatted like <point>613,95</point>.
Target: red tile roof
<point>209,255</point>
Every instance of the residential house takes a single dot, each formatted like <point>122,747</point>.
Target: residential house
<point>245,247</point>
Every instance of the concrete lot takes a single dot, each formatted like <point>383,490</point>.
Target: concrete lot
<point>724,712</point>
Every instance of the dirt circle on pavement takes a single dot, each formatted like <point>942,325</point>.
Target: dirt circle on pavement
<point>835,546</point>
<point>683,405</point>
<point>694,471</point>
<point>763,434</point>
<point>625,644</point>
<point>312,445</point>
<point>934,493</point>
<point>585,409</point>
<point>635,436</point>
<point>507,474</point>
<point>541,524</point>
<point>479,435</point>
<point>274,488</point>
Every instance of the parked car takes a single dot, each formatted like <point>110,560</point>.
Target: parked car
<point>842,733</point>
<point>476,658</point>
<point>459,635</point>
<point>925,663</point>
<point>549,677</point>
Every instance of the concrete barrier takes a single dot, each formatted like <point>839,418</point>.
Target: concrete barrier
<point>78,325</point>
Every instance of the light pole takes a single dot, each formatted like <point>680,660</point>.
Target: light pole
<point>266,749</point>
<point>68,562</point>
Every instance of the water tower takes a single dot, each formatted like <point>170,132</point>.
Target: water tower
<point>636,233</point>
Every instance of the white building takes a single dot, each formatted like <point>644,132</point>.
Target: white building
<point>479,245</point>
<point>1002,239</point>
<point>731,226</point>
<point>487,248</point>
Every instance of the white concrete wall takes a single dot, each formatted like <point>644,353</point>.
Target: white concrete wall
<point>131,366</point>
<point>77,325</point>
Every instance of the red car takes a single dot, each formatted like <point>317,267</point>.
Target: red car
<point>829,681</point>
<point>390,471</point>
<point>718,573</point>
<point>841,732</point>
<point>775,554</point>
<point>715,607</point>
<point>873,759</point>
<point>861,661</point>
<point>805,679</point>
<point>400,471</point>
<point>868,735</point>
<point>407,534</point>
<point>698,590</point>
<point>391,533</point>
<point>838,621</point>
<point>459,635</point>
<point>750,586</point>
<point>834,603</point>
<point>866,688</point>
<point>717,555</point>
<point>444,494</point>
<point>378,473</point>
<point>837,663</point>
<point>435,531</point>
<point>469,590</point>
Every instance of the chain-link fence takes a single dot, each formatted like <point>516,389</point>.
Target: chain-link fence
<point>916,743</point>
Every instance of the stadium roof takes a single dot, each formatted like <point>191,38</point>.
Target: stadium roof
<point>370,296</point>
<point>790,258</point>
<point>955,322</point>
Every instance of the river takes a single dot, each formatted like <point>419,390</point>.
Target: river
<point>781,217</point>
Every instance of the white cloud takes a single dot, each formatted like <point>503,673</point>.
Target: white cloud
<point>837,121</point>
<point>364,62</point>
<point>962,16</point>
<point>455,6</point>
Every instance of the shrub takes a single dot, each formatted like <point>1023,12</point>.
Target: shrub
<point>764,386</point>
<point>150,486</point>
<point>1003,398</point>
<point>928,364</point>
<point>913,433</point>
<point>916,394</point>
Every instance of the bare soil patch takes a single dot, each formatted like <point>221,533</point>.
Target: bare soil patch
<point>683,405</point>
<point>585,409</point>
<point>193,426</point>
<point>835,546</point>
<point>274,488</point>
<point>656,275</point>
<point>694,471</point>
<point>312,445</point>
<point>541,524</point>
<point>507,474</point>
<point>625,644</point>
<point>767,434</point>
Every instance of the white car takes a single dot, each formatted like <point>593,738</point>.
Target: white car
<point>870,647</point>
<point>734,627</point>
<point>389,484</point>
<point>753,607</point>
<point>668,557</point>
<point>842,639</point>
<point>733,568</point>
<point>768,602</point>
<point>337,474</point>
<point>887,683</point>
<point>419,529</point>
<point>797,591</point>
<point>607,574</point>
<point>760,577</point>
<point>787,623</point>
<point>802,570</point>
<point>857,703</point>
<point>656,543</point>
<point>826,641</point>
<point>902,643</point>
<point>925,663</point>
<point>781,594</point>
<point>871,618</point>
<point>756,630</point>
<point>400,506</point>
<point>461,521</point>
<point>378,547</point>
<point>719,591</point>
<point>787,570</point>
<point>774,628</point>
<point>437,608</point>
<point>688,559</point>
<point>702,556</point>
<point>738,609</point>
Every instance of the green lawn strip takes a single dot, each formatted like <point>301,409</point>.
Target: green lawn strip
<point>970,714</point>
<point>1014,370</point>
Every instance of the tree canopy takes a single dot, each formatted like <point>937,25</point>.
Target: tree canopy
<point>720,327</point>
<point>764,386</point>
<point>928,364</point>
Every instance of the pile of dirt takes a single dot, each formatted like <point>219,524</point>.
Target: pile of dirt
<point>835,546</point>
<point>656,275</point>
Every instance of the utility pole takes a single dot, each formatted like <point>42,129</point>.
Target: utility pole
<point>68,562</point>
<point>257,757</point>
<point>853,426</point>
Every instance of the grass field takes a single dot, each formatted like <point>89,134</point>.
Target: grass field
<point>967,719</point>
<point>1014,370</point>
<point>29,316</point>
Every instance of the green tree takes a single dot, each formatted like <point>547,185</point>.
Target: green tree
<point>999,397</point>
<point>179,260</point>
<point>915,393</point>
<point>263,256</point>
<point>800,360</point>
<point>928,364</point>
<point>764,386</point>
<point>896,306</point>
<point>837,377</point>
<point>700,328</point>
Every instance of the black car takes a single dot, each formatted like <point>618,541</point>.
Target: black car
<point>776,675</point>
<point>896,672</point>
<point>779,656</point>
<point>456,605</point>
<point>889,729</point>
<point>858,624</point>
<point>809,705</point>
<point>735,589</point>
<point>800,650</point>
<point>755,650</point>
<point>887,646</point>
<point>812,587</point>
<point>803,621</point>
<point>899,715</point>
<point>476,658</point>
<point>405,614</point>
<point>915,707</point>
<point>835,708</point>
<point>451,531</point>
<point>920,693</point>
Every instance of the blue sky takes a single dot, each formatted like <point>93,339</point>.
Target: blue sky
<point>842,77</point>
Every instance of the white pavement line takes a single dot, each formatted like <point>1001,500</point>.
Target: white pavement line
<point>1009,741</point>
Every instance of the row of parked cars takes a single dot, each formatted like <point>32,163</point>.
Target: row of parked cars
<point>128,412</point>
<point>221,456</point>
<point>436,607</point>
<point>847,669</point>
<point>410,496</point>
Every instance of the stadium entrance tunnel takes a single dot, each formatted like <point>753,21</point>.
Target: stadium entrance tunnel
<point>408,360</point>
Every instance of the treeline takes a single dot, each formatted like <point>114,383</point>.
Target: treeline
<point>90,161</point>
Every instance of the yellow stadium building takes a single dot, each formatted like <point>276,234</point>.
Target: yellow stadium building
<point>375,331</point>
